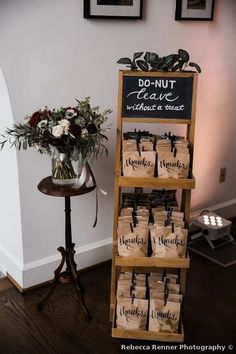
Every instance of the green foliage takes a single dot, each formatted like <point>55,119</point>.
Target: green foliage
<point>151,58</point>
<point>125,61</point>
<point>143,65</point>
<point>183,55</point>
<point>137,55</point>
<point>152,62</point>
<point>79,130</point>
<point>196,66</point>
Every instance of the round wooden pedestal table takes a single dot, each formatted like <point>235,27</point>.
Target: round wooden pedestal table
<point>70,275</point>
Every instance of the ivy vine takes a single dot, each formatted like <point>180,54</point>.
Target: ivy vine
<point>152,62</point>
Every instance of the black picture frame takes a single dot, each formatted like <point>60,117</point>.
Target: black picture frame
<point>107,10</point>
<point>194,10</point>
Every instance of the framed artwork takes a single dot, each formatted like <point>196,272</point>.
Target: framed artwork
<point>201,10</point>
<point>124,9</point>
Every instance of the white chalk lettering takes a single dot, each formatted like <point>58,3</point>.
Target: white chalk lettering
<point>161,83</point>
<point>143,107</point>
<point>143,95</point>
<point>174,108</point>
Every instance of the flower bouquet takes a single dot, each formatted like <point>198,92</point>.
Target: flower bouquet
<point>71,135</point>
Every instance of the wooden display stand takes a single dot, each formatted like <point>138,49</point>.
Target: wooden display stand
<point>171,98</point>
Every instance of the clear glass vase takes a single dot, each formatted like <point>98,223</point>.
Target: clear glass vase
<point>65,170</point>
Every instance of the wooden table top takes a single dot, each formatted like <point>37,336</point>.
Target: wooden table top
<point>47,187</point>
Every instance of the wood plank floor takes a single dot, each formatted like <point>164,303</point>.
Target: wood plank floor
<point>209,314</point>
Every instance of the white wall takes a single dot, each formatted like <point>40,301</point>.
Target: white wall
<point>11,251</point>
<point>51,55</point>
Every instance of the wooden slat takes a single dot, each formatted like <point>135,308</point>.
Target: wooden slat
<point>193,113</point>
<point>157,182</point>
<point>116,193</point>
<point>158,73</point>
<point>148,269</point>
<point>191,128</point>
<point>152,262</point>
<point>119,123</point>
<point>148,335</point>
<point>156,120</point>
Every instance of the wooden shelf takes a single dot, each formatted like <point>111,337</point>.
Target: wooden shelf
<point>183,183</point>
<point>156,120</point>
<point>149,335</point>
<point>128,86</point>
<point>152,262</point>
<point>145,335</point>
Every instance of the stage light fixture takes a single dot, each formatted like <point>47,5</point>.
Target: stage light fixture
<point>214,228</point>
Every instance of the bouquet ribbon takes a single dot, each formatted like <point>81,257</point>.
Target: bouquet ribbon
<point>87,177</point>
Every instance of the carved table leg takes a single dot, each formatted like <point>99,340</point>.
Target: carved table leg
<point>77,284</point>
<point>57,273</point>
<point>70,274</point>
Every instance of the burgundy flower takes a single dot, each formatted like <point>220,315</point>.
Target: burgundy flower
<point>45,114</point>
<point>91,128</point>
<point>35,119</point>
<point>75,130</point>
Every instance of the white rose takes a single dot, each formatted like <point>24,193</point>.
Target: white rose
<point>70,113</point>
<point>42,124</point>
<point>64,123</point>
<point>57,131</point>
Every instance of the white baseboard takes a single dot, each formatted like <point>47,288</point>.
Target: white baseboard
<point>2,268</point>
<point>9,264</point>
<point>2,271</point>
<point>43,270</point>
<point>226,209</point>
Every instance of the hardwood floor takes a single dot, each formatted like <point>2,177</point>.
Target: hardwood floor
<point>209,314</point>
<point>61,327</point>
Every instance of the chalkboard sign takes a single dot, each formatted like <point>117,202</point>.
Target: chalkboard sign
<point>157,97</point>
